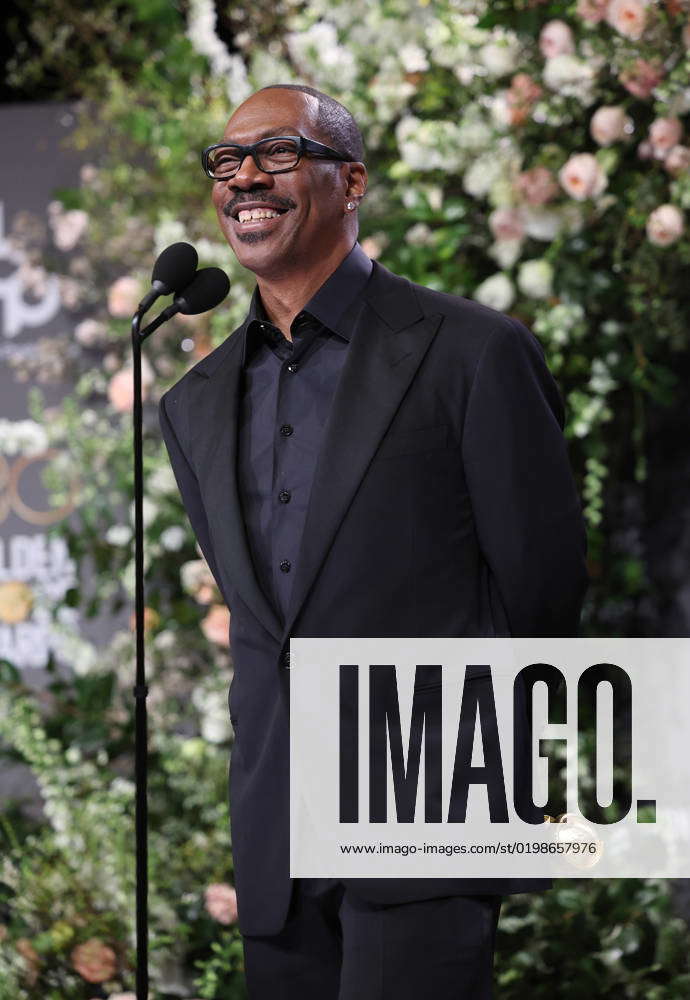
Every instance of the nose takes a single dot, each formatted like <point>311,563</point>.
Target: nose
<point>249,175</point>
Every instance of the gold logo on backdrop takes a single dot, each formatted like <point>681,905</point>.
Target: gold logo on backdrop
<point>10,491</point>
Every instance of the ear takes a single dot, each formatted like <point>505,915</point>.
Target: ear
<point>356,181</point>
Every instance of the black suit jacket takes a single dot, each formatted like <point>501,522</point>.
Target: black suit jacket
<point>443,504</point>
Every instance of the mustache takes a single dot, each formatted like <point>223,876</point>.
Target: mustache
<point>231,205</point>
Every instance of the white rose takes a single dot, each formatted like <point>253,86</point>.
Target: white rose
<point>570,76</point>
<point>505,252</point>
<point>535,278</point>
<point>499,58</point>
<point>541,223</point>
<point>173,538</point>
<point>497,292</point>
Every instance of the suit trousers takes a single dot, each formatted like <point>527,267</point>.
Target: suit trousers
<point>336,946</point>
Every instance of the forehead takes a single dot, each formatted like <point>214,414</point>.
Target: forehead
<point>273,112</point>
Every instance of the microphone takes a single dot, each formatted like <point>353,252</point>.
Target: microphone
<point>174,269</point>
<point>207,290</point>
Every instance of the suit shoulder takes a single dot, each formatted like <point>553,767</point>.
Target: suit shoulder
<point>470,324</point>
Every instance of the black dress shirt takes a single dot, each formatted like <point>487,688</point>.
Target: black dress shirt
<point>286,399</point>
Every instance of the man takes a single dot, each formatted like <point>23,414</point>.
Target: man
<point>363,456</point>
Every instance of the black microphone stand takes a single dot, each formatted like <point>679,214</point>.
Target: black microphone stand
<point>206,290</point>
<point>140,689</point>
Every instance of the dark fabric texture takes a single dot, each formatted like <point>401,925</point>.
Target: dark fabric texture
<point>442,503</point>
<point>289,386</point>
<point>336,946</point>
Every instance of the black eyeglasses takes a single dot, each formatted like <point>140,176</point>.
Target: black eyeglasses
<point>275,155</point>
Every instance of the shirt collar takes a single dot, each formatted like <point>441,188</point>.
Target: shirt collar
<point>329,303</point>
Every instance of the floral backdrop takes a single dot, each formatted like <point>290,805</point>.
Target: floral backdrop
<point>532,155</point>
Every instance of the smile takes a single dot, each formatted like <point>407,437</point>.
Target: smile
<point>258,219</point>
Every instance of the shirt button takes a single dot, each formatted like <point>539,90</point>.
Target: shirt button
<point>284,496</point>
<point>293,367</point>
<point>285,565</point>
<point>286,430</point>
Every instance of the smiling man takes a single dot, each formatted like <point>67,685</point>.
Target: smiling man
<point>363,456</point>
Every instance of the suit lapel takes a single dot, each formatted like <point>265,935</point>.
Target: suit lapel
<point>388,344</point>
<point>390,339</point>
<point>215,458</point>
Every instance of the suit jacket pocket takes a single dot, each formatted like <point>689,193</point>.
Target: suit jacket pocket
<point>414,441</point>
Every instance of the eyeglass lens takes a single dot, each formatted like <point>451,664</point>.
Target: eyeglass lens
<point>272,154</point>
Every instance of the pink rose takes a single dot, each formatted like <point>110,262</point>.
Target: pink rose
<point>32,960</point>
<point>582,177</point>
<point>520,97</point>
<point>678,160</point>
<point>664,225</point>
<point>121,386</point>
<point>664,133</point>
<point>123,296</point>
<point>592,11</point>
<point>556,39</point>
<point>506,224</point>
<point>216,624</point>
<point>627,17</point>
<point>94,961</point>
<point>645,151</point>
<point>373,246</point>
<point>609,124</point>
<point>90,332</point>
<point>221,902</point>
<point>641,79</point>
<point>537,185</point>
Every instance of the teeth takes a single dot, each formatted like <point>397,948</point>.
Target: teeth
<point>257,213</point>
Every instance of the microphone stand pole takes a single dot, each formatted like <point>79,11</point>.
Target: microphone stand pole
<point>140,689</point>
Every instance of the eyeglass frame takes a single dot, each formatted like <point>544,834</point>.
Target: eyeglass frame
<point>316,149</point>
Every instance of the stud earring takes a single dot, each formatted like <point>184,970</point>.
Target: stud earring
<point>350,205</point>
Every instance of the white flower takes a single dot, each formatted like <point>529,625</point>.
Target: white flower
<point>317,49</point>
<point>419,235</point>
<point>500,56</point>
<point>68,227</point>
<point>430,144</point>
<point>481,175</point>
<point>118,534</point>
<point>505,252</point>
<point>497,292</point>
<point>25,437</point>
<point>173,538</point>
<point>149,510</point>
<point>413,58</point>
<point>161,480</point>
<point>541,223</point>
<point>211,703</point>
<point>474,134</point>
<point>572,77</point>
<point>91,332</point>
<point>535,278</point>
